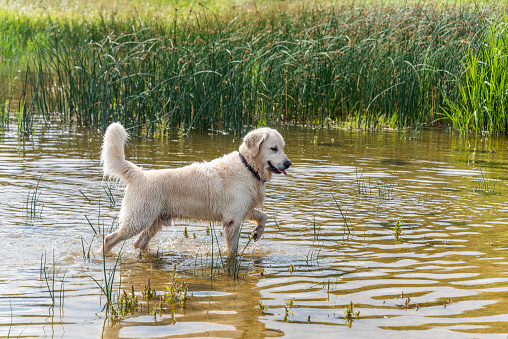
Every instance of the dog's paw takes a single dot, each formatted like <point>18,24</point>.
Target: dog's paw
<point>257,233</point>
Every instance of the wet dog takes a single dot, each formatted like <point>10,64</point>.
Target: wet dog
<point>227,190</point>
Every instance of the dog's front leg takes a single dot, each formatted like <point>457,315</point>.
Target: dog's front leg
<point>259,218</point>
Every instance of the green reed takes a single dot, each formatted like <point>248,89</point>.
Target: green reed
<point>229,263</point>
<point>32,208</point>
<point>486,185</point>
<point>6,95</point>
<point>50,277</point>
<point>106,284</point>
<point>371,64</point>
<point>346,225</point>
<point>482,103</point>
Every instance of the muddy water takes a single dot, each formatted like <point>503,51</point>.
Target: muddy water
<point>445,275</point>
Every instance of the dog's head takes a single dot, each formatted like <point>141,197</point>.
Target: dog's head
<point>263,148</point>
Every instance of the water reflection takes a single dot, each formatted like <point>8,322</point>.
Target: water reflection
<point>446,275</point>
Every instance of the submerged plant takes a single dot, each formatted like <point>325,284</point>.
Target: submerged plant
<point>33,210</point>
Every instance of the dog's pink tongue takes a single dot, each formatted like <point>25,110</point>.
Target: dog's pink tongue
<point>282,171</point>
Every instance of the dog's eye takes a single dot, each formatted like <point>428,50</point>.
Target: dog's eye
<point>275,149</point>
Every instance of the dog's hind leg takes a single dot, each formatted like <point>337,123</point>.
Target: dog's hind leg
<point>145,236</point>
<point>130,225</point>
<point>260,219</point>
<point>232,233</point>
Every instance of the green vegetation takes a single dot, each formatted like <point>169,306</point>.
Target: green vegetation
<point>176,293</point>
<point>486,185</point>
<point>229,263</point>
<point>33,210</point>
<point>50,275</point>
<point>397,231</point>
<point>350,314</point>
<point>391,64</point>
<point>290,303</point>
<point>482,103</point>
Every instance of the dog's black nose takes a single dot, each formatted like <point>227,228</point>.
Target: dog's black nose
<point>287,163</point>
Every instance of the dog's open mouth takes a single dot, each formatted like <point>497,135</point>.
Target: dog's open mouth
<point>275,169</point>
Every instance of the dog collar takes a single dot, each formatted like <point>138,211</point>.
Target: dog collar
<point>249,167</point>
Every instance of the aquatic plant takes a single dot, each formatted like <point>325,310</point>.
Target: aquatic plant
<point>397,231</point>
<point>346,225</point>
<point>290,303</point>
<point>229,263</point>
<point>350,314</point>
<point>373,64</point>
<point>482,101</point>
<point>33,210</point>
<point>385,187</point>
<point>149,292</point>
<point>360,184</point>
<point>6,96</point>
<point>50,276</point>
<point>316,231</point>
<point>86,253</point>
<point>486,185</point>
<point>313,253</point>
<point>106,283</point>
<point>176,292</point>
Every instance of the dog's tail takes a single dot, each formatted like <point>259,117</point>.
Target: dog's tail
<point>113,156</point>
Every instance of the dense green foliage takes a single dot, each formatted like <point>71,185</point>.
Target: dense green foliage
<point>372,65</point>
<point>482,101</point>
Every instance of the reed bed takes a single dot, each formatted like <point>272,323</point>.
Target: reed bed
<point>373,65</point>
<point>482,103</point>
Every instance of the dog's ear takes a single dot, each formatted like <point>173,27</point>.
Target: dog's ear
<point>253,141</point>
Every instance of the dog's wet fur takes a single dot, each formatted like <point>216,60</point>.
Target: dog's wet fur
<point>227,190</point>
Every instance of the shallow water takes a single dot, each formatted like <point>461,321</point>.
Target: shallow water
<point>447,275</point>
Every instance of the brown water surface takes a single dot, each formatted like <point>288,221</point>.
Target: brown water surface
<point>446,275</point>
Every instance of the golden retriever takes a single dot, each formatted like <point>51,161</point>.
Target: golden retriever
<point>227,189</point>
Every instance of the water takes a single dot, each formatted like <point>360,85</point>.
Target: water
<point>447,275</point>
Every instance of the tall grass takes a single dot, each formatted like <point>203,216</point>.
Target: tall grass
<point>372,64</point>
<point>482,103</point>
